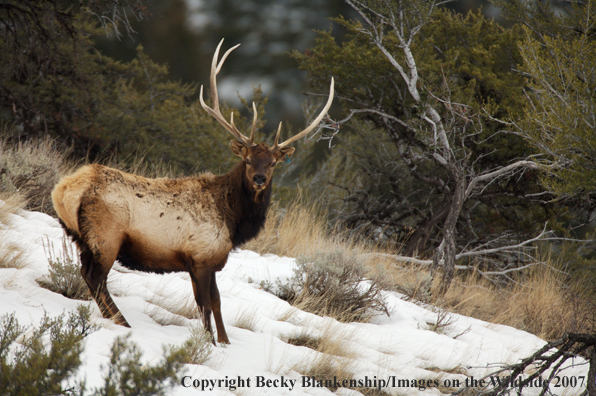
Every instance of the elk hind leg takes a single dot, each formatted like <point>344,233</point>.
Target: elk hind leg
<point>95,268</point>
<point>222,337</point>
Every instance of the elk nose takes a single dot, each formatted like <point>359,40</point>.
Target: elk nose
<point>259,179</point>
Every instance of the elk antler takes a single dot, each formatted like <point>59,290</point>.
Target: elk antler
<point>312,125</point>
<point>215,111</point>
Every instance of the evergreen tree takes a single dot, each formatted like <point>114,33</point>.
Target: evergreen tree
<point>55,82</point>
<point>559,62</point>
<point>427,164</point>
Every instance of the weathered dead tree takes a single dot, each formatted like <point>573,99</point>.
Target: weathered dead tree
<point>441,126</point>
<point>545,365</point>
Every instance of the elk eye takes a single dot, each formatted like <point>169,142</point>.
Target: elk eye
<point>247,161</point>
<point>273,164</point>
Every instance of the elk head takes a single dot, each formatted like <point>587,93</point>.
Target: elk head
<point>260,159</point>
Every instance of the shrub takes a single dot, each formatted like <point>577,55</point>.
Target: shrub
<point>46,359</point>
<point>199,346</point>
<point>65,272</point>
<point>31,169</point>
<point>127,376</point>
<point>334,284</point>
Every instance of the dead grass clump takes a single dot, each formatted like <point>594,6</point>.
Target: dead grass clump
<point>163,317</point>
<point>542,300</point>
<point>64,276</point>
<point>332,340</point>
<point>333,363</point>
<point>298,229</point>
<point>11,255</point>
<point>32,169</point>
<point>246,319</point>
<point>539,303</point>
<point>10,203</point>
<point>454,370</point>
<point>186,308</point>
<point>169,311</point>
<point>305,340</point>
<point>327,369</point>
<point>334,284</point>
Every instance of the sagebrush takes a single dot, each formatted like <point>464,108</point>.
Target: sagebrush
<point>64,276</point>
<point>334,284</point>
<point>29,365</point>
<point>198,346</point>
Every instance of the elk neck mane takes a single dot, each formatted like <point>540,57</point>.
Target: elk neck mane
<point>246,209</point>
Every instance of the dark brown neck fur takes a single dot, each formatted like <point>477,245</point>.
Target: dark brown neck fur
<point>245,214</point>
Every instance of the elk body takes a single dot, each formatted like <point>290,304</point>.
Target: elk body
<point>172,225</point>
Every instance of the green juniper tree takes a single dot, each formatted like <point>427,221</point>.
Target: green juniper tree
<point>558,51</point>
<point>559,62</point>
<point>55,82</point>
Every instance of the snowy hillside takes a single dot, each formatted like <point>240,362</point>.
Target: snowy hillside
<point>389,349</point>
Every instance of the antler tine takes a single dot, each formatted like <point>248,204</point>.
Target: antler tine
<point>215,111</point>
<point>254,123</point>
<point>275,144</point>
<point>312,125</point>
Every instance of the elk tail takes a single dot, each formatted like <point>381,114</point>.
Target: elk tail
<point>67,196</point>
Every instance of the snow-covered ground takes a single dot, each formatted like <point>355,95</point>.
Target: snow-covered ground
<point>400,347</point>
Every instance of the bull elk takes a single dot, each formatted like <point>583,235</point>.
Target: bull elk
<point>172,225</point>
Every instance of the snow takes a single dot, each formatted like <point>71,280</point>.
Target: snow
<point>401,346</point>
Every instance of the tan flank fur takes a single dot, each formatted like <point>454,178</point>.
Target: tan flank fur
<point>172,225</point>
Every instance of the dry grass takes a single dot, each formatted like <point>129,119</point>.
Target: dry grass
<point>163,317</point>
<point>246,319</point>
<point>326,367</point>
<point>332,339</point>
<point>443,321</point>
<point>167,310</point>
<point>10,203</point>
<point>11,256</point>
<point>542,302</point>
<point>299,229</point>
<point>32,168</point>
<point>334,359</point>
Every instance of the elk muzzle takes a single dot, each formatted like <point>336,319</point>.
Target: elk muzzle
<point>259,180</point>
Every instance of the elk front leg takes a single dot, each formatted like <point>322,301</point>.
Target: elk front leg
<point>201,284</point>
<point>222,337</point>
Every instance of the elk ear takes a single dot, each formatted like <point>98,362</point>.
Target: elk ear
<point>238,148</point>
<point>284,153</point>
